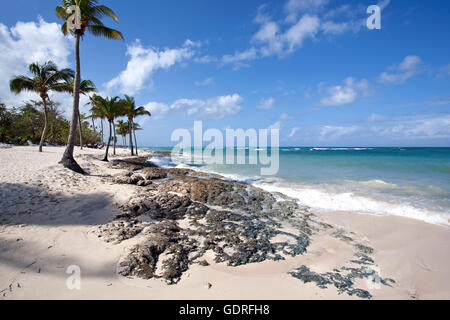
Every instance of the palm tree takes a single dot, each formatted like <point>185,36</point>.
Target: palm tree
<point>91,15</point>
<point>122,129</point>
<point>107,108</point>
<point>46,78</point>
<point>136,127</point>
<point>131,112</point>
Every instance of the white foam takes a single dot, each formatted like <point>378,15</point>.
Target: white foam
<point>321,199</point>
<point>341,149</point>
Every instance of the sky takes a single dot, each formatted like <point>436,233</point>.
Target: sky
<point>310,68</point>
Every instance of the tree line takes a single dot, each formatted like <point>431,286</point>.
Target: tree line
<point>22,125</point>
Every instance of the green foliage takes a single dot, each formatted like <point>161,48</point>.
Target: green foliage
<point>20,125</point>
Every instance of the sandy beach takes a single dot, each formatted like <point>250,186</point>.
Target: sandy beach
<point>50,218</point>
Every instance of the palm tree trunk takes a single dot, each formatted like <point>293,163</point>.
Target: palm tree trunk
<point>67,160</point>
<point>81,130</point>
<point>135,140</point>
<point>103,137</point>
<point>114,137</point>
<point>44,133</point>
<point>130,125</point>
<point>109,141</point>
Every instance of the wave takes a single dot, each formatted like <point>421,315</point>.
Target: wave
<point>324,198</point>
<point>341,149</point>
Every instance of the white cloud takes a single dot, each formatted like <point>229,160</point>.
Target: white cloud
<point>211,109</point>
<point>294,7</point>
<point>144,62</point>
<point>273,41</point>
<point>408,68</point>
<point>205,59</point>
<point>306,27</point>
<point>25,43</point>
<point>266,103</point>
<point>158,110</point>
<point>293,132</point>
<point>430,128</point>
<point>347,93</point>
<point>335,132</point>
<point>330,27</point>
<point>305,19</point>
<point>204,83</point>
<point>238,57</point>
<point>423,128</point>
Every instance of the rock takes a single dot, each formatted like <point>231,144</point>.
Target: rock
<point>154,173</point>
<point>182,214</point>
<point>144,183</point>
<point>203,263</point>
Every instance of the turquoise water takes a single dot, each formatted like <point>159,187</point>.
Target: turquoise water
<point>410,182</point>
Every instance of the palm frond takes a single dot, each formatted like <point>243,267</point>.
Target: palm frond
<point>102,31</point>
<point>21,83</point>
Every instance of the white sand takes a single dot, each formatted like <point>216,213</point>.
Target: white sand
<point>48,214</point>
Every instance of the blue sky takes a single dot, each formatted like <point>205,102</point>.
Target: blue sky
<point>309,67</point>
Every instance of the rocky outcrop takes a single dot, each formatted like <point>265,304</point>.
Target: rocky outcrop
<point>181,214</point>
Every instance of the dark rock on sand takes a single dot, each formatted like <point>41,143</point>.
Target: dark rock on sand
<point>181,214</point>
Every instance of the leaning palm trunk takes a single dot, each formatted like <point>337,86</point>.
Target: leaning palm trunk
<point>81,130</point>
<point>44,133</point>
<point>130,126</point>
<point>109,142</point>
<point>67,160</point>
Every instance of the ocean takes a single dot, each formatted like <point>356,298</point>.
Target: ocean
<point>407,182</point>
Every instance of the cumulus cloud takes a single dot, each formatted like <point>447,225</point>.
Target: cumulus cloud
<point>144,62</point>
<point>408,68</point>
<point>157,109</point>
<point>266,104</point>
<point>274,41</point>
<point>29,42</point>
<point>347,93</point>
<point>211,109</point>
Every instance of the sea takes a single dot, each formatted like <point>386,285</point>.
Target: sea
<point>405,182</point>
